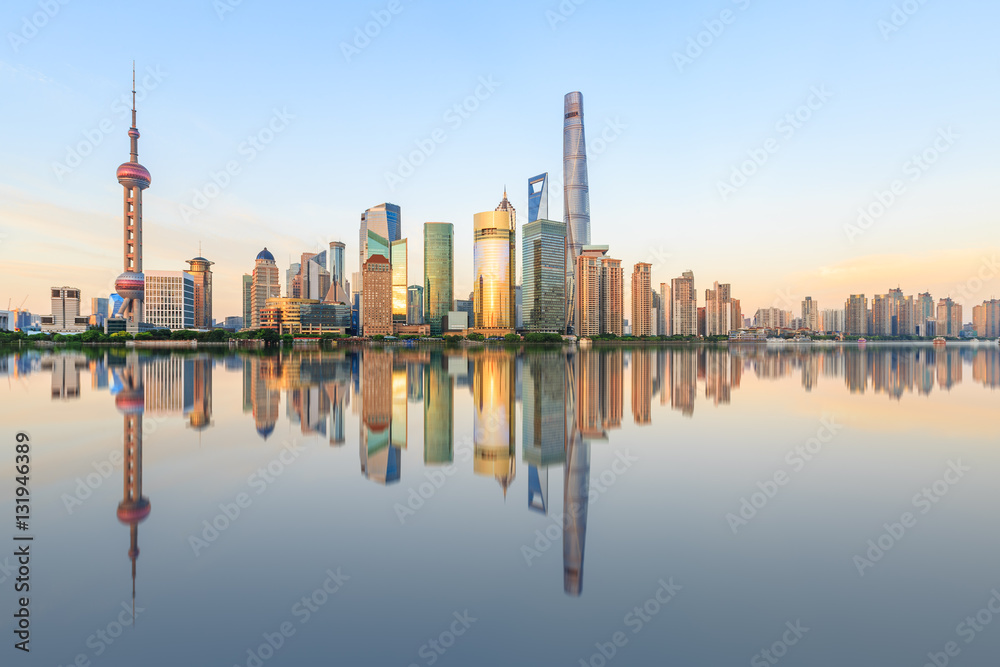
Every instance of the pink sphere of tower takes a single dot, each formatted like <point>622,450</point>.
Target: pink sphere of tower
<point>131,285</point>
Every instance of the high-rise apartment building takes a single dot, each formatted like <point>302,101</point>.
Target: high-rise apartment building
<point>600,292</point>
<point>924,311</point>
<point>833,320</point>
<point>949,318</point>
<point>265,285</point>
<point>576,191</point>
<point>856,315</point>
<point>494,269</point>
<point>398,260</point>
<point>905,311</point>
<point>684,305</point>
<point>810,314</point>
<point>543,275</point>
<point>986,319</point>
<point>170,299</point>
<point>201,274</point>
<point>665,310</point>
<point>895,297</point>
<point>881,315</point>
<point>720,315</point>
<point>376,297</point>
<point>641,306</point>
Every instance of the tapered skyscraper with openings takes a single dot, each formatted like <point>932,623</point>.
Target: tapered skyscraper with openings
<point>576,193</point>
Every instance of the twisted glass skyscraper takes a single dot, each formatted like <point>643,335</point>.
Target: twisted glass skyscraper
<point>576,193</point>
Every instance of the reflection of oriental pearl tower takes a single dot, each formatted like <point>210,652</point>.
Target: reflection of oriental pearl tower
<point>131,284</point>
<point>134,507</point>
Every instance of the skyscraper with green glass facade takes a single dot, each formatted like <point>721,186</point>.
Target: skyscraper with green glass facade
<point>439,272</point>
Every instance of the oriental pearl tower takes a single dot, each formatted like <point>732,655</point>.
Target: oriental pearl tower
<point>131,284</point>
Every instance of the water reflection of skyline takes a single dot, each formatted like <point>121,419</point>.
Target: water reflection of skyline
<point>569,399</point>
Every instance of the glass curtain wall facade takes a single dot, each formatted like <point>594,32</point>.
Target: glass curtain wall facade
<point>439,272</point>
<point>399,282</point>
<point>543,276</point>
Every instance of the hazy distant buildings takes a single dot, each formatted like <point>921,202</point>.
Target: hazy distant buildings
<point>684,305</point>
<point>439,272</point>
<point>986,319</point>
<point>666,320</point>
<point>924,312</point>
<point>810,314</point>
<point>906,324</point>
<point>170,299</point>
<point>832,320</point>
<point>881,315</point>
<point>376,297</point>
<point>201,275</point>
<point>265,285</point>
<point>543,275</point>
<point>856,315</point>
<point>641,307</point>
<point>247,299</point>
<point>949,318</point>
<point>494,269</point>
<point>293,280</point>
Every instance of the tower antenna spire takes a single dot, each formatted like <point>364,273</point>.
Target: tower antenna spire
<point>133,93</point>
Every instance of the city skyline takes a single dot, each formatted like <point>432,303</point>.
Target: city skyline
<point>767,256</point>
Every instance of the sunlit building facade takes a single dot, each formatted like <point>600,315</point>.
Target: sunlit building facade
<point>684,305</point>
<point>376,297</point>
<point>642,313</point>
<point>494,270</point>
<point>856,315</point>
<point>200,270</point>
<point>398,260</point>
<point>170,300</point>
<point>265,285</point>
<point>949,318</point>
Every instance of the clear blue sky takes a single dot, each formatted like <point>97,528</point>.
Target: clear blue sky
<point>654,189</point>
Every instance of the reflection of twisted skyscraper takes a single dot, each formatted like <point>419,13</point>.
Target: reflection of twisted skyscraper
<point>134,507</point>
<point>576,484</point>
<point>576,193</point>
